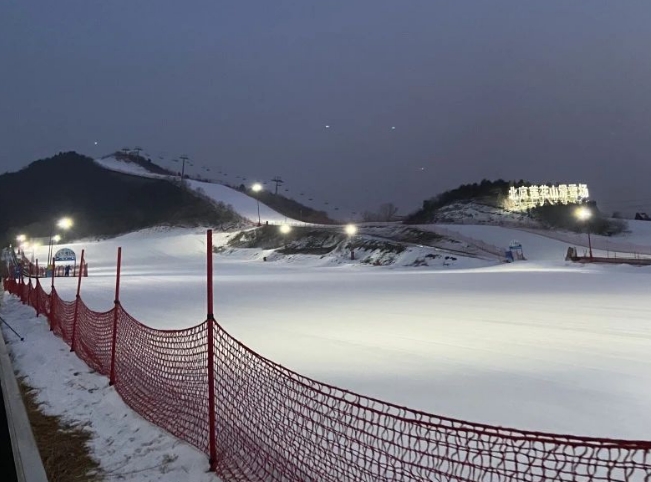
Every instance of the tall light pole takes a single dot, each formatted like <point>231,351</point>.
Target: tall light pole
<point>21,238</point>
<point>351,230</point>
<point>285,229</point>
<point>63,223</point>
<point>22,244</point>
<point>584,214</point>
<point>35,245</point>
<point>256,188</point>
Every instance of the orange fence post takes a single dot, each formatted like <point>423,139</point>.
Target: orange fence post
<point>51,315</point>
<point>211,357</point>
<point>115,318</point>
<point>77,299</point>
<point>38,285</point>
<point>29,285</point>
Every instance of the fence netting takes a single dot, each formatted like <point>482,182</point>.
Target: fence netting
<point>163,375</point>
<point>272,424</point>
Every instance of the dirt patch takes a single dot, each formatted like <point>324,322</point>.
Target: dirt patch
<point>63,446</point>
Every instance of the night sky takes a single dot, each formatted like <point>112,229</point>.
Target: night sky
<point>420,95</point>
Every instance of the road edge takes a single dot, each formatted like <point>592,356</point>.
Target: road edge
<point>29,466</point>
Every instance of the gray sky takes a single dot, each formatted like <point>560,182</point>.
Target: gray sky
<point>550,90</point>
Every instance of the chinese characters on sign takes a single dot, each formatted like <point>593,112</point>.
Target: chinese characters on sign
<point>524,197</point>
<point>65,254</point>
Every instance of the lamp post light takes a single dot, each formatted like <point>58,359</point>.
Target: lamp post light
<point>34,245</point>
<point>63,223</point>
<point>351,230</point>
<point>285,229</point>
<point>584,214</point>
<point>256,188</point>
<point>24,246</point>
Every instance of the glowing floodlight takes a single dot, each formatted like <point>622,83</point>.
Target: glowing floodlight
<point>583,213</point>
<point>56,238</point>
<point>21,238</point>
<point>257,187</point>
<point>285,228</point>
<point>351,230</point>
<point>65,223</point>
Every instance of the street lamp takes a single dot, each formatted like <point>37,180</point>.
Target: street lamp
<point>257,187</point>
<point>35,245</point>
<point>24,247</point>
<point>285,230</point>
<point>63,223</point>
<point>351,230</point>
<point>584,214</point>
<point>21,238</point>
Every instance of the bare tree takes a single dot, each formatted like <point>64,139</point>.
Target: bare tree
<point>387,212</point>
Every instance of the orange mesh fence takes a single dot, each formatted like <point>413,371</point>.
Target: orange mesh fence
<point>276,425</point>
<point>42,299</point>
<point>24,292</point>
<point>162,375</point>
<point>93,337</point>
<point>61,316</point>
<point>272,424</point>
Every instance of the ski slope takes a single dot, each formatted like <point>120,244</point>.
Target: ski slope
<point>542,345</point>
<point>244,205</point>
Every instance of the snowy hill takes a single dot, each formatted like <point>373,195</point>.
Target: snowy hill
<point>477,213</point>
<point>101,202</point>
<point>244,205</point>
<point>126,167</point>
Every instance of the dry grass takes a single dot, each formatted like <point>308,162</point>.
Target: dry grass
<point>63,446</point>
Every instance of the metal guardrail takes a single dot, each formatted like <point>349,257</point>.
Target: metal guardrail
<point>29,466</point>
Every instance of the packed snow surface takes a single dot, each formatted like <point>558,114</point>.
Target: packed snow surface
<point>244,205</point>
<point>541,344</point>
<point>127,447</point>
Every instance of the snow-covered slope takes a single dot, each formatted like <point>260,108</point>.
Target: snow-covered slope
<point>113,164</point>
<point>244,205</point>
<point>543,344</point>
<point>476,213</point>
<point>635,240</point>
<point>535,247</point>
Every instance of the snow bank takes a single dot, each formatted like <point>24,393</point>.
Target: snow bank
<point>127,447</point>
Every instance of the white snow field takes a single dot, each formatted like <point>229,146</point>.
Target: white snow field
<point>541,344</point>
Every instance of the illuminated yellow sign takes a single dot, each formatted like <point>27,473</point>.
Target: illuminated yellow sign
<point>527,197</point>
